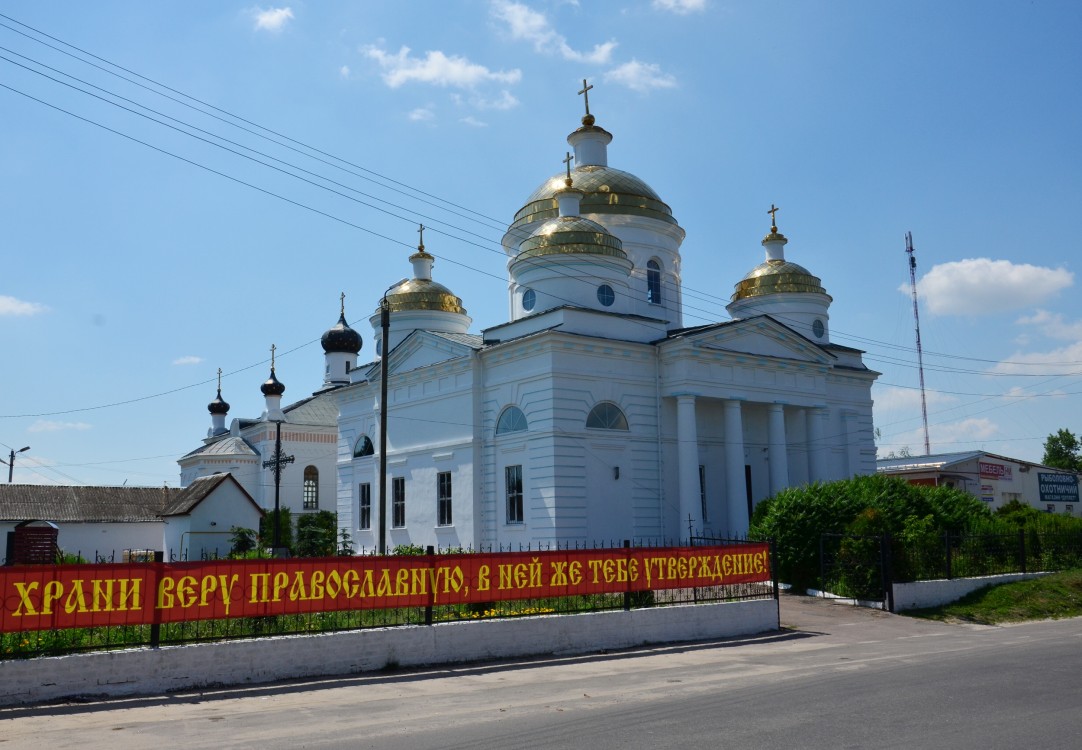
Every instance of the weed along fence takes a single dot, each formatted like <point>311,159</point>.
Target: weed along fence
<point>56,609</point>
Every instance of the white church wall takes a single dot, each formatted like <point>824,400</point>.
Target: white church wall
<point>109,540</point>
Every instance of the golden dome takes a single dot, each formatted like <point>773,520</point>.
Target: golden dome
<point>776,277</point>
<point>569,235</point>
<point>607,190</point>
<point>423,294</point>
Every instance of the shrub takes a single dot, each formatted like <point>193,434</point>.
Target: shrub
<point>797,517</point>
<point>242,541</point>
<point>284,520</point>
<point>317,534</point>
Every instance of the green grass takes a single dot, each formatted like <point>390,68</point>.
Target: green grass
<point>1052,597</point>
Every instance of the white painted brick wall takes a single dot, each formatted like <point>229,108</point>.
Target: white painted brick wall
<point>152,671</point>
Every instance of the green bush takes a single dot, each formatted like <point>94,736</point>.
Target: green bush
<point>285,528</point>
<point>796,517</point>
<point>242,541</point>
<point>317,534</point>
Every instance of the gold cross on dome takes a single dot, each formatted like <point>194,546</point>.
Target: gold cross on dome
<point>219,380</point>
<point>585,93</point>
<point>421,232</point>
<point>567,160</point>
<point>342,297</point>
<point>773,210</point>
<point>272,357</point>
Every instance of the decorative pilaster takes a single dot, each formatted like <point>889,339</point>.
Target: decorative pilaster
<point>687,447</point>
<point>736,490</point>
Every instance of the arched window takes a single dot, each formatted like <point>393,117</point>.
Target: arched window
<point>311,488</point>
<point>606,416</point>
<point>363,448</point>
<point>511,420</point>
<point>653,282</point>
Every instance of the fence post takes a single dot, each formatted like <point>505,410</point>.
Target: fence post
<point>774,567</point>
<point>430,552</point>
<point>1022,547</point>
<point>822,566</point>
<point>888,579</point>
<point>156,625</point>
<point>947,552</point>
<point>627,594</point>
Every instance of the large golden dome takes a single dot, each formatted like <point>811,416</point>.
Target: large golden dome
<point>568,235</point>
<point>423,294</point>
<point>607,190</point>
<point>775,277</point>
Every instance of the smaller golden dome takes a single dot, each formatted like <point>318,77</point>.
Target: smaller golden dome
<point>423,294</point>
<point>776,277</point>
<point>570,235</point>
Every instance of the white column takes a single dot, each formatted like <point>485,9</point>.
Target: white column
<point>852,445</point>
<point>736,492</point>
<point>779,461</point>
<point>817,468</point>
<point>687,446</point>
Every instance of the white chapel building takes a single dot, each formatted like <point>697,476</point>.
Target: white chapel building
<point>592,415</point>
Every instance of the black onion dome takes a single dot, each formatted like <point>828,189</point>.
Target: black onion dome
<point>218,406</point>
<point>341,338</point>
<point>273,386</point>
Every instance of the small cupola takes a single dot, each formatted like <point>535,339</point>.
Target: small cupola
<point>784,290</point>
<point>272,390</point>
<point>341,344</point>
<point>218,409</point>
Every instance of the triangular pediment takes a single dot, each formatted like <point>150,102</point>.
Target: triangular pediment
<point>422,349</point>
<point>761,336</point>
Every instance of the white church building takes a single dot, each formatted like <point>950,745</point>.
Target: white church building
<point>592,415</point>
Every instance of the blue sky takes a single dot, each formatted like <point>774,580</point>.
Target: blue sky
<point>138,260</point>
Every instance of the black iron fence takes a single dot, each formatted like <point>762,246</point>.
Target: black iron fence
<point>864,567</point>
<point>711,588</point>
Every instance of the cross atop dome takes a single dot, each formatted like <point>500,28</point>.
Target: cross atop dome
<point>588,120</point>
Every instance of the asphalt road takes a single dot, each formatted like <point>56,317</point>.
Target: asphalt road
<point>835,677</point>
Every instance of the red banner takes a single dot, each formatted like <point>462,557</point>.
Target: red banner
<point>44,597</point>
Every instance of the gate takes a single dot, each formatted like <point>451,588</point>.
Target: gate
<point>856,567</point>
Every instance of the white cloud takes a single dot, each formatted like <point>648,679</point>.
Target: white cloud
<point>1064,361</point>
<point>680,7</point>
<point>13,306</point>
<point>473,122</point>
<point>504,101</point>
<point>271,19</point>
<point>528,25</point>
<point>344,71</point>
<point>640,76</point>
<point>965,434</point>
<point>1053,325</point>
<point>435,68</point>
<point>421,114</point>
<point>889,399</point>
<point>977,286</point>
<point>187,360</point>
<point>45,425</point>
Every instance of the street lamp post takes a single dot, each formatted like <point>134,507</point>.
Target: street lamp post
<point>11,461</point>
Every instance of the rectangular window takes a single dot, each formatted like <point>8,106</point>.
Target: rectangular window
<point>365,519</point>
<point>702,492</point>
<point>398,502</point>
<point>513,489</point>
<point>443,498</point>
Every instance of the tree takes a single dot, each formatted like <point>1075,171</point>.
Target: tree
<point>285,528</point>
<point>1062,450</point>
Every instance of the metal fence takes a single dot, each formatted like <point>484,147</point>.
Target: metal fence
<point>53,641</point>
<point>864,567</point>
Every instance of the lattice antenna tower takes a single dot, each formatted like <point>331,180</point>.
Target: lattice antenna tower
<point>920,352</point>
